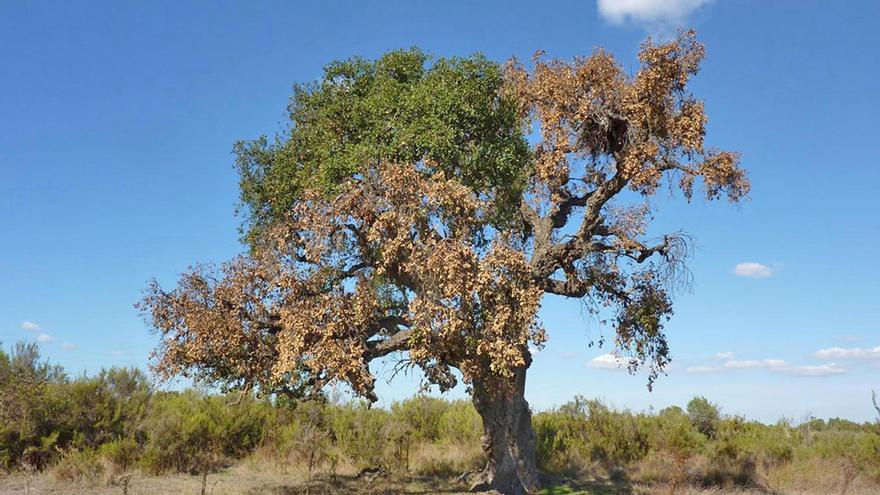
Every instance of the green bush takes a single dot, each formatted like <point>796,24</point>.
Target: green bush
<point>704,416</point>
<point>121,452</point>
<point>422,415</point>
<point>369,437</point>
<point>460,423</point>
<point>302,436</point>
<point>195,433</point>
<point>585,431</point>
<point>88,428</point>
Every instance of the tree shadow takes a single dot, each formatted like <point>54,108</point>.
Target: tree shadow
<point>346,484</point>
<point>588,487</point>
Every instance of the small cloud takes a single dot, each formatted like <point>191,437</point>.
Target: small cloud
<point>848,338</point>
<point>774,365</point>
<point>117,353</point>
<point>607,362</point>
<point>67,346</point>
<point>45,337</point>
<point>753,270</point>
<point>819,370</point>
<point>849,353</point>
<point>567,354</point>
<point>31,326</point>
<point>648,12</point>
<point>702,369</point>
<point>721,356</point>
<point>756,364</point>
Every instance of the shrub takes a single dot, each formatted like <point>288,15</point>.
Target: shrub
<point>704,416</point>
<point>122,453</point>
<point>364,434</point>
<point>89,428</point>
<point>422,415</point>
<point>304,437</point>
<point>81,466</point>
<point>191,432</point>
<point>675,441</point>
<point>585,431</point>
<point>460,423</point>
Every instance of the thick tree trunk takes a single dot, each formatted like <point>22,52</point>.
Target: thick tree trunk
<point>508,438</point>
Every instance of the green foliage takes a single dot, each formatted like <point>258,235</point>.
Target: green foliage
<point>403,108</point>
<point>121,452</point>
<point>460,423</point>
<point>673,433</point>
<point>302,436</point>
<point>422,415</point>
<point>366,435</point>
<point>588,431</point>
<point>704,416</point>
<point>97,428</point>
<point>193,432</point>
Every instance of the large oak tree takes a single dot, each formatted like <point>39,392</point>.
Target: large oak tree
<point>422,209</point>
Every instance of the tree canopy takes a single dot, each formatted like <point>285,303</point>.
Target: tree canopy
<point>376,221</point>
<point>401,108</point>
<point>406,211</point>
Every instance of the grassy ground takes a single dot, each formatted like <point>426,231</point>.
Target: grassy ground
<point>246,479</point>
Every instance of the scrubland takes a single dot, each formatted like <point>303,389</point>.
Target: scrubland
<point>114,433</point>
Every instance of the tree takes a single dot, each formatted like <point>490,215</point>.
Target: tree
<point>704,415</point>
<point>404,214</point>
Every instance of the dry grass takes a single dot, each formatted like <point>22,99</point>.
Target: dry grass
<point>430,468</point>
<point>820,476</point>
<point>248,478</point>
<point>444,461</point>
<point>237,480</point>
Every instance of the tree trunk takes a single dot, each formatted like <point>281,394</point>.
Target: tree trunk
<point>508,438</point>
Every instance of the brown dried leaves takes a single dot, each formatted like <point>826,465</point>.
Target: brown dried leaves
<point>646,124</point>
<point>403,258</point>
<point>324,280</point>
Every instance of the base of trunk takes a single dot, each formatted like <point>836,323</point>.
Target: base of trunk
<point>508,438</point>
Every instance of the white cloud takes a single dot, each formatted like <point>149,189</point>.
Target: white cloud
<point>849,353</point>
<point>29,325</point>
<point>756,364</point>
<point>45,337</point>
<point>774,365</point>
<point>607,362</point>
<point>567,354</point>
<point>67,346</point>
<point>819,370</point>
<point>702,369</point>
<point>117,353</point>
<point>723,355</point>
<point>753,270</point>
<point>652,12</point>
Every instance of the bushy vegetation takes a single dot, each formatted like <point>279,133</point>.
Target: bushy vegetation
<point>99,427</point>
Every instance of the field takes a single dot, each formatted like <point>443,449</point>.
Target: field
<point>91,434</point>
<point>244,479</point>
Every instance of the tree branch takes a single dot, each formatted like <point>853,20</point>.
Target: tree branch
<point>398,341</point>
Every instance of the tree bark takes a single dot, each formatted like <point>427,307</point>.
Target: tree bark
<point>508,438</point>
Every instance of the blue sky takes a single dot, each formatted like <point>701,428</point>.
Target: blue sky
<point>118,122</point>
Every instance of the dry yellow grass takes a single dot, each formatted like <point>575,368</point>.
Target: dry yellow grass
<point>237,480</point>
<point>249,479</point>
<point>434,469</point>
